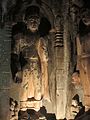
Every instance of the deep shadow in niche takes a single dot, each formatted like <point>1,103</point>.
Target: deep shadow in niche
<point>44,27</point>
<point>17,30</point>
<point>20,27</point>
<point>86,3</point>
<point>83,29</point>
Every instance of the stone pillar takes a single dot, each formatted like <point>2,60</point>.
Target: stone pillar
<point>68,91</point>
<point>59,72</point>
<point>4,72</point>
<point>67,69</point>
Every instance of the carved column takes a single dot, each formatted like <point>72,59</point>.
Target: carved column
<point>67,57</point>
<point>59,72</point>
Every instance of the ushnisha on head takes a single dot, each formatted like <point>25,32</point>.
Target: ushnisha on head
<point>32,18</point>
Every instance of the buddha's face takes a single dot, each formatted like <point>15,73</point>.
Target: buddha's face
<point>33,23</point>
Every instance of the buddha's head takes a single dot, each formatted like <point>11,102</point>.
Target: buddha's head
<point>32,18</point>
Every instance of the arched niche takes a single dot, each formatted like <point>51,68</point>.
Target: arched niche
<point>16,11</point>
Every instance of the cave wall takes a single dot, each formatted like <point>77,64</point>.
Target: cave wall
<point>64,17</point>
<point>5,72</point>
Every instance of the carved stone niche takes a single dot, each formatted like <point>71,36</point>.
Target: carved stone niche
<point>19,34</point>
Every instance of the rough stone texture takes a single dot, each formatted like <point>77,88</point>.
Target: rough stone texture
<point>4,72</point>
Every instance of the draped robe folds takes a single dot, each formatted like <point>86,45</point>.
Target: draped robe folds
<point>83,61</point>
<point>34,86</point>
